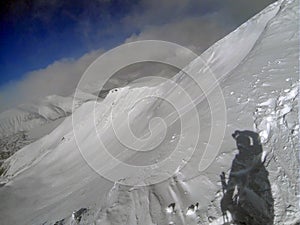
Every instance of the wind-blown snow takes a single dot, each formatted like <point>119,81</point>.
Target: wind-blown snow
<point>257,67</point>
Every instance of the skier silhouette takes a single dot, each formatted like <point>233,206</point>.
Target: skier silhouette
<point>247,195</point>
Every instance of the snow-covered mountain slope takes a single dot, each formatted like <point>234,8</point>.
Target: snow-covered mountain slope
<point>29,122</point>
<point>28,116</point>
<point>258,71</point>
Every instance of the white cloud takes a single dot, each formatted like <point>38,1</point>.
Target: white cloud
<point>59,78</point>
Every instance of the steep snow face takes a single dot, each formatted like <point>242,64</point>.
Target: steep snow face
<point>268,100</point>
<point>257,67</point>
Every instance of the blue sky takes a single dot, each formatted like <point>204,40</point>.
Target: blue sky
<point>36,34</point>
<point>39,36</point>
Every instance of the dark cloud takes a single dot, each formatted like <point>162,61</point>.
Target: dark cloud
<point>193,23</point>
<point>157,12</point>
<point>196,33</point>
<point>241,10</point>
